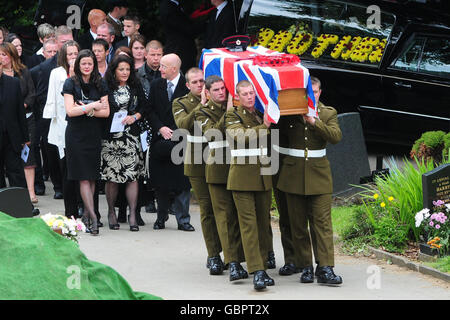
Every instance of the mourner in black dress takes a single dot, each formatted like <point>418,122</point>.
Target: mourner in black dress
<point>86,102</point>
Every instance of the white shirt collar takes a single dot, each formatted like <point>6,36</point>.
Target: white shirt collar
<point>40,51</point>
<point>220,8</point>
<point>176,2</point>
<point>94,35</point>
<point>116,20</point>
<point>175,81</point>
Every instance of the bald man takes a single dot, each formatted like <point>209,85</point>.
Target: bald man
<point>172,187</point>
<point>96,17</point>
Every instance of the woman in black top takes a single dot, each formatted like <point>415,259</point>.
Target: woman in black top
<point>12,66</point>
<point>122,156</point>
<point>86,103</point>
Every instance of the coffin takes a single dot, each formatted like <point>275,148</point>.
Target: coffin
<point>291,101</point>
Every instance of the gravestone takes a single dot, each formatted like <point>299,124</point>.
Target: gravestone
<point>436,185</point>
<point>348,158</point>
<point>16,202</point>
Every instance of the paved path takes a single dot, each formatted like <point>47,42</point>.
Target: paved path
<point>171,264</point>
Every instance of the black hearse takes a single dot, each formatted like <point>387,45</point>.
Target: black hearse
<point>388,60</point>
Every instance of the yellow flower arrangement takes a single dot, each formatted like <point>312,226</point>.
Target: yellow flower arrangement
<point>292,48</point>
<point>264,36</point>
<point>302,45</point>
<point>280,40</point>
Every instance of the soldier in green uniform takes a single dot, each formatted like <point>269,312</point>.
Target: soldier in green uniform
<point>211,119</point>
<point>306,179</point>
<point>252,192</point>
<point>184,109</point>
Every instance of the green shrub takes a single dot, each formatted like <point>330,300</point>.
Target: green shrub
<point>446,151</point>
<point>390,235</point>
<point>398,195</point>
<point>357,225</point>
<point>430,146</point>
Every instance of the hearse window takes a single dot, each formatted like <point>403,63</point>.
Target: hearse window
<point>436,57</point>
<point>322,30</point>
<point>410,57</point>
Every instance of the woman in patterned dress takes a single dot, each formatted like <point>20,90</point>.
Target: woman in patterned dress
<point>122,156</point>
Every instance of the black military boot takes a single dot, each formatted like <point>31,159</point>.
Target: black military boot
<point>215,265</point>
<point>261,279</point>
<point>326,275</point>
<point>271,260</point>
<point>237,272</point>
<point>307,275</point>
<point>288,269</point>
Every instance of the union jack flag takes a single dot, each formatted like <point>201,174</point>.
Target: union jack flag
<point>236,66</point>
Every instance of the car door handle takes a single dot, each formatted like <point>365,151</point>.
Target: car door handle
<point>402,85</point>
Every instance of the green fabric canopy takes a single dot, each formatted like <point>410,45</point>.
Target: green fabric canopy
<point>37,263</point>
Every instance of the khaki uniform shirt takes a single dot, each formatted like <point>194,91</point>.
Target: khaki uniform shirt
<point>211,119</point>
<point>246,176</point>
<point>306,175</point>
<point>184,109</point>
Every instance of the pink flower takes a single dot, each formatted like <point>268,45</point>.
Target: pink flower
<point>434,216</point>
<point>431,224</point>
<point>438,203</point>
<point>438,226</point>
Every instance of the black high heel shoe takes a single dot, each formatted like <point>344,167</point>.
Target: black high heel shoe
<point>94,229</point>
<point>133,227</point>
<point>114,226</point>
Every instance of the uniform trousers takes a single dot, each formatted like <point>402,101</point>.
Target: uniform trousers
<point>315,210</point>
<point>253,209</point>
<point>227,222</point>
<point>285,227</point>
<point>207,219</point>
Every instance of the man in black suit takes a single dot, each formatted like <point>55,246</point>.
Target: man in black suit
<point>41,76</point>
<point>171,185</point>
<point>179,32</point>
<point>131,26</point>
<point>13,130</point>
<point>221,24</point>
<point>96,17</point>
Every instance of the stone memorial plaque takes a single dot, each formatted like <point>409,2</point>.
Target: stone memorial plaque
<point>436,185</point>
<point>16,202</point>
<point>348,158</point>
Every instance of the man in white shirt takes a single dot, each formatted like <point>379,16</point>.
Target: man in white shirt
<point>117,9</point>
<point>96,17</point>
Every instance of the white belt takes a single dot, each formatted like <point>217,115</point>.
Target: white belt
<point>300,153</point>
<point>196,139</point>
<point>218,144</point>
<point>249,152</point>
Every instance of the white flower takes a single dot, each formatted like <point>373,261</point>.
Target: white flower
<point>422,214</point>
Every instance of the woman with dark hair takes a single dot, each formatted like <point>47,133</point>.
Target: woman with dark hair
<point>122,156</point>
<point>55,110</point>
<point>17,42</point>
<point>137,46</point>
<point>86,103</point>
<point>12,66</point>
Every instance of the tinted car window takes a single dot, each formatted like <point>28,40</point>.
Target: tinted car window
<point>436,57</point>
<point>410,57</point>
<point>327,30</point>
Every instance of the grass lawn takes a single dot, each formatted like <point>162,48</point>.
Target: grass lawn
<point>442,264</point>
